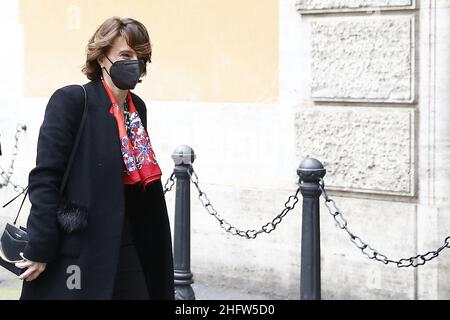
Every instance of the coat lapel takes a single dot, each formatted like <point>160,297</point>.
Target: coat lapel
<point>104,127</point>
<point>97,96</point>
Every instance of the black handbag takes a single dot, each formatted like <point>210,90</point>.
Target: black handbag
<point>70,216</point>
<point>13,241</point>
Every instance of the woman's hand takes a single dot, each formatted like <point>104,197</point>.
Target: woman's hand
<point>33,271</point>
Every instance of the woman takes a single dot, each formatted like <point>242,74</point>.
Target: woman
<point>122,249</point>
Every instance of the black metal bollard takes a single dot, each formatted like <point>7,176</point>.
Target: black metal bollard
<point>183,156</point>
<point>309,171</point>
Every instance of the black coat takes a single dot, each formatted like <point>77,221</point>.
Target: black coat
<point>96,182</point>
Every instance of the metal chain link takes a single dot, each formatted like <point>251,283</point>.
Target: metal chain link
<point>8,174</point>
<point>248,234</point>
<point>370,252</point>
<point>171,178</point>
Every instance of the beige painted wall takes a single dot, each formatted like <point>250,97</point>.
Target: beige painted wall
<point>215,50</point>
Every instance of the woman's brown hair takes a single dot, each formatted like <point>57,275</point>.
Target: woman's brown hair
<point>133,31</point>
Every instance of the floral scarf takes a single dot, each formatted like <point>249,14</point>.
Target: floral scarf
<point>140,165</point>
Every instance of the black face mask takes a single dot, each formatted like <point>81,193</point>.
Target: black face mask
<point>125,74</point>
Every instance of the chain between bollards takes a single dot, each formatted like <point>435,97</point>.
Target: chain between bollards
<point>6,176</point>
<point>183,157</point>
<point>366,249</point>
<point>312,185</point>
<point>171,180</point>
<point>228,227</point>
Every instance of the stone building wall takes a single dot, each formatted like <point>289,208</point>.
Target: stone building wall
<point>373,105</point>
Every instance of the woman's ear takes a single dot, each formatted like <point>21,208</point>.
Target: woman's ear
<point>101,61</point>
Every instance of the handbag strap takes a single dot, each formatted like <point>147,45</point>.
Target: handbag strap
<point>69,163</point>
<point>23,200</point>
<point>75,145</point>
